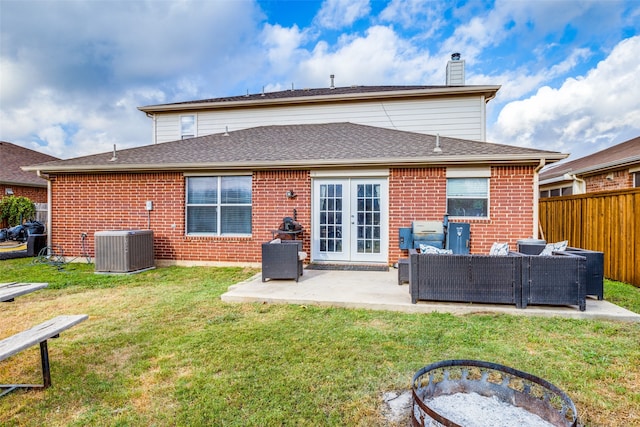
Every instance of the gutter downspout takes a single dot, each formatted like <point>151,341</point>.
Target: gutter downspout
<point>581,184</point>
<point>154,133</point>
<point>49,192</point>
<point>536,198</point>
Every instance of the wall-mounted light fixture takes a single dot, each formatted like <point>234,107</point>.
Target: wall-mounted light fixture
<point>291,194</point>
<point>610,176</point>
<point>8,191</point>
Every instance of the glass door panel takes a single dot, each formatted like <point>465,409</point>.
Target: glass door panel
<point>349,222</point>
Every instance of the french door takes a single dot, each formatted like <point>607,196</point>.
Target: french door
<point>350,220</point>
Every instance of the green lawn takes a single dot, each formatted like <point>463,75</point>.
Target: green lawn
<point>161,348</point>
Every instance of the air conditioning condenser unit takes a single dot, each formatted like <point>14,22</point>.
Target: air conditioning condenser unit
<point>124,251</point>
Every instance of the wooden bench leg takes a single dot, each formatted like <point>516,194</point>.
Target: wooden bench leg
<point>46,373</point>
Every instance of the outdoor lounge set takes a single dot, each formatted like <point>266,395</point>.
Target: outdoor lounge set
<point>515,278</point>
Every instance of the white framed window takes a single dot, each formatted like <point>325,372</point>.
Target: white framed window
<point>218,205</point>
<point>468,197</point>
<point>636,179</point>
<point>187,126</point>
<point>557,192</point>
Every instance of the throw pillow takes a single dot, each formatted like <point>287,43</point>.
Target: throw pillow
<point>554,247</point>
<point>499,249</point>
<point>428,249</point>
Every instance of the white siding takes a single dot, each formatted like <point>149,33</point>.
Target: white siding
<point>455,117</point>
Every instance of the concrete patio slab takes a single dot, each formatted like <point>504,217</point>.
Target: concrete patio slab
<point>376,290</point>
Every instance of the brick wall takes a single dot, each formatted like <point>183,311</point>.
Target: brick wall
<point>116,201</point>
<point>90,203</point>
<point>270,203</point>
<point>420,194</point>
<point>616,180</point>
<point>414,194</point>
<point>35,194</point>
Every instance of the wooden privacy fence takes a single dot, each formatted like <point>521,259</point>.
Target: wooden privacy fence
<point>608,222</point>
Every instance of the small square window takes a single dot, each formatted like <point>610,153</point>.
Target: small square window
<point>468,197</point>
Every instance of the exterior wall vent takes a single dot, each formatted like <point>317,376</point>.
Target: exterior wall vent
<point>124,251</point>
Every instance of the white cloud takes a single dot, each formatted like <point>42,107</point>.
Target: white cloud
<point>64,125</point>
<point>336,14</point>
<point>585,111</point>
<point>378,57</point>
<point>423,14</point>
<point>517,82</point>
<point>282,46</point>
<point>73,73</point>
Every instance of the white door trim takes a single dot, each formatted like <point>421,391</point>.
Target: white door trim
<point>338,232</point>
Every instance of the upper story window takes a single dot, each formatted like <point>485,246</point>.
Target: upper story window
<point>219,205</point>
<point>187,126</point>
<point>468,197</point>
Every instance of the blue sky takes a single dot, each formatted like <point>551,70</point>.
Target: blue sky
<point>72,73</point>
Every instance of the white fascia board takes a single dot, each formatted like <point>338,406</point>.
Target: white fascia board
<point>488,92</point>
<point>304,164</point>
<point>24,184</point>
<point>555,180</point>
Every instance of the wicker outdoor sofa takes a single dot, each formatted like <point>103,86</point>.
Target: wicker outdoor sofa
<point>517,279</point>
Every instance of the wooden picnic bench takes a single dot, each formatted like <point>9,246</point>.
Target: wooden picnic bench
<point>37,335</point>
<point>9,291</point>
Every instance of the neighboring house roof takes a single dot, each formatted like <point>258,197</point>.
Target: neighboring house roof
<point>303,146</point>
<point>12,157</point>
<point>624,154</point>
<point>304,96</point>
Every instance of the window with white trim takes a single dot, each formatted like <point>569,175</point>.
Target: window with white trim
<point>468,197</point>
<point>636,179</point>
<point>218,205</point>
<point>557,192</point>
<point>187,126</point>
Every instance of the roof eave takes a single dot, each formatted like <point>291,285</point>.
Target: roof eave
<point>306,164</point>
<point>594,169</point>
<point>555,180</point>
<point>24,184</point>
<point>615,164</point>
<point>489,92</point>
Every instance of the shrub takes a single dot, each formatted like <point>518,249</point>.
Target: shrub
<point>16,209</point>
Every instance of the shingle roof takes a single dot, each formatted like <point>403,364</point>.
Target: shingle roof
<point>12,157</point>
<point>627,152</point>
<point>333,94</point>
<point>303,146</point>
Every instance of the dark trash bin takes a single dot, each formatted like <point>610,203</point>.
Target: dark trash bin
<point>595,270</point>
<point>35,243</point>
<point>531,246</point>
